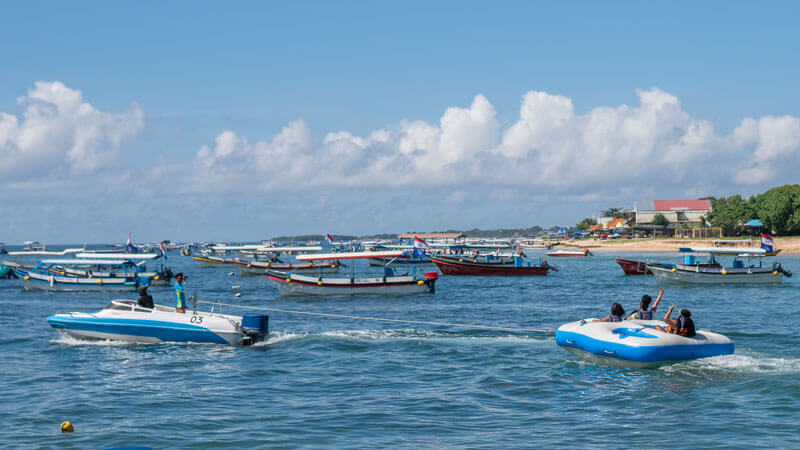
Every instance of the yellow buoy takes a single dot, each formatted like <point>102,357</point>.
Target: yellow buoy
<point>724,272</point>
<point>66,427</point>
<point>319,283</point>
<point>775,272</point>
<point>673,269</point>
<point>420,282</point>
<point>288,280</point>
<point>99,281</point>
<point>27,277</point>
<point>333,266</point>
<point>156,277</point>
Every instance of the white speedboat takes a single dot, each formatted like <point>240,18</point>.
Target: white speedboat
<point>569,253</point>
<point>125,320</point>
<point>634,343</point>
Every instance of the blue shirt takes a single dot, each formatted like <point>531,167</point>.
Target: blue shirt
<point>180,295</point>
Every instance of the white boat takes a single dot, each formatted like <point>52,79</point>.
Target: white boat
<point>742,270</point>
<point>49,275</point>
<point>634,343</point>
<point>125,320</point>
<point>295,284</point>
<point>569,253</point>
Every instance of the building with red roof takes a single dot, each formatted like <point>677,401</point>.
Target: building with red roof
<point>689,212</point>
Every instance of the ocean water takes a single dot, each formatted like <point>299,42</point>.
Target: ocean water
<point>325,382</point>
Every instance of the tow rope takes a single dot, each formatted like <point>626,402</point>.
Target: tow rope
<point>383,319</point>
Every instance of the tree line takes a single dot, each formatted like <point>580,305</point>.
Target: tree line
<point>778,209</point>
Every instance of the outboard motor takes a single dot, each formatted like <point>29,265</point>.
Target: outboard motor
<point>778,268</point>
<point>430,280</point>
<point>255,328</point>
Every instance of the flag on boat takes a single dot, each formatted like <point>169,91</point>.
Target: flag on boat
<point>708,222</point>
<point>767,243</point>
<point>419,247</point>
<point>163,251</point>
<point>129,246</point>
<point>329,238</point>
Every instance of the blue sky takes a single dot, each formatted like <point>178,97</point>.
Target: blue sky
<point>433,89</point>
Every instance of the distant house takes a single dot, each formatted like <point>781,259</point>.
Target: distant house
<point>677,212</point>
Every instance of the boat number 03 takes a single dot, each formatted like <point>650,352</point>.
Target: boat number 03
<point>196,319</point>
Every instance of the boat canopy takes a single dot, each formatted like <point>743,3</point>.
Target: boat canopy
<point>350,255</point>
<point>753,251</point>
<point>46,252</point>
<point>87,262</point>
<point>123,256</point>
<point>264,248</point>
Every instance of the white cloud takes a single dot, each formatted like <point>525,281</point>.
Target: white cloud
<point>60,134</point>
<point>776,141</point>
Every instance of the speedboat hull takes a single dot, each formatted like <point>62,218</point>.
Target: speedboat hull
<point>125,321</point>
<point>634,343</point>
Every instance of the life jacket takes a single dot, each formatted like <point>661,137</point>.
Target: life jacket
<point>686,327</point>
<point>645,314</point>
<point>613,318</point>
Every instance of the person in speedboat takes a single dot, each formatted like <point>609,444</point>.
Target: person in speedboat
<point>180,292</point>
<point>683,325</point>
<point>645,312</point>
<point>145,299</point>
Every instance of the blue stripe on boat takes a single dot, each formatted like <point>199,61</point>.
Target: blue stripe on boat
<point>164,331</point>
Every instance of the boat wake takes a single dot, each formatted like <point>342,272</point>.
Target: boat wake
<point>425,335</point>
<point>64,339</point>
<point>737,365</point>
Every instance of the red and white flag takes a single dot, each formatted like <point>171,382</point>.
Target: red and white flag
<point>419,243</point>
<point>329,238</point>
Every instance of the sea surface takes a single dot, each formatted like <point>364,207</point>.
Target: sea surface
<point>333,382</point>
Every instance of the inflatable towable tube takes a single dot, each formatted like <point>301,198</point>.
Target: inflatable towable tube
<point>634,343</point>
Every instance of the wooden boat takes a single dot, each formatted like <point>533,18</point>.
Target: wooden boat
<point>49,275</point>
<point>740,271</point>
<point>569,253</point>
<point>255,267</point>
<point>295,284</point>
<point>518,267</point>
<point>211,261</point>
<point>631,267</point>
<point>412,260</point>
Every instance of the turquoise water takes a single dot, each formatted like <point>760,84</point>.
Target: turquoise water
<point>320,382</point>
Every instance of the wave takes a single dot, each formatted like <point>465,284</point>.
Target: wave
<point>738,364</point>
<point>425,335</point>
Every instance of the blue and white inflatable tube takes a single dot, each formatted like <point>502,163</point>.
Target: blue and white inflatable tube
<point>635,343</point>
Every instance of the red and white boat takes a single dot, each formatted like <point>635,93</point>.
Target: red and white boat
<point>255,267</point>
<point>450,265</point>
<point>569,253</point>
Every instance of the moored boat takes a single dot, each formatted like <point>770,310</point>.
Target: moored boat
<point>635,343</point>
<point>49,275</point>
<point>125,320</point>
<point>517,267</point>
<point>296,284</point>
<point>255,267</point>
<point>742,269</point>
<point>569,253</point>
<point>211,261</point>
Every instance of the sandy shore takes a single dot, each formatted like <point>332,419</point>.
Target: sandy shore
<point>790,246</point>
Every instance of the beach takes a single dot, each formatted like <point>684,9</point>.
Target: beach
<point>789,245</point>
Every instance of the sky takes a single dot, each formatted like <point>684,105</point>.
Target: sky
<point>244,120</point>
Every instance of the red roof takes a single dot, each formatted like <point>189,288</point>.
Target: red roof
<point>670,205</point>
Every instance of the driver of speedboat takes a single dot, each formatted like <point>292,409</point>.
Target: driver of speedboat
<point>145,299</point>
